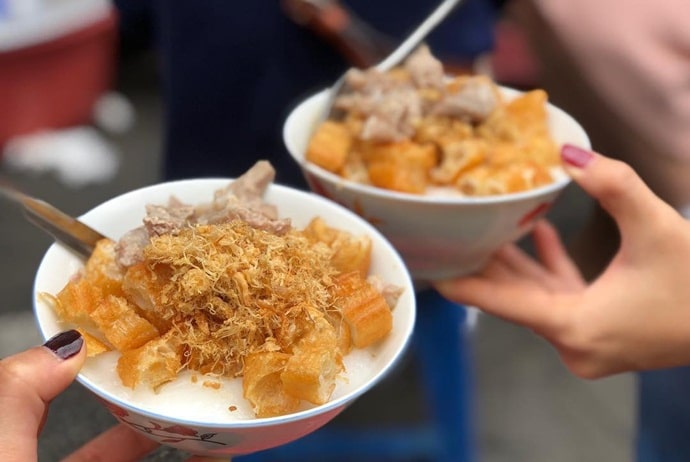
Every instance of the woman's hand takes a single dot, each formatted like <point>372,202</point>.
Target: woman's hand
<point>30,380</point>
<point>634,316</point>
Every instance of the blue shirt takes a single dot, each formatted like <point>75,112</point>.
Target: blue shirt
<point>663,433</point>
<point>232,71</point>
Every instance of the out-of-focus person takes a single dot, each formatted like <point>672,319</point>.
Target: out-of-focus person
<point>622,69</point>
<point>231,72</point>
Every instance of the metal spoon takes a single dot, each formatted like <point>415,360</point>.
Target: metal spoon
<point>69,231</point>
<point>400,53</point>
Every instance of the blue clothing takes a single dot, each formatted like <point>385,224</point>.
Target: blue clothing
<point>232,71</point>
<point>663,433</point>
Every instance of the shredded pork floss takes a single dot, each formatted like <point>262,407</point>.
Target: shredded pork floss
<point>233,290</point>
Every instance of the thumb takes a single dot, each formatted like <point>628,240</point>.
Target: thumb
<point>28,382</point>
<point>615,185</point>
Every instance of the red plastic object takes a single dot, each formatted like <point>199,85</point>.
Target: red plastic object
<point>512,60</point>
<point>55,84</point>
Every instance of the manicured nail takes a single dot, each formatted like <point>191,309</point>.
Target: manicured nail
<point>65,344</point>
<point>575,156</point>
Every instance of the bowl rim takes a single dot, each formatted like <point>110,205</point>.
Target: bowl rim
<point>351,186</point>
<point>331,405</point>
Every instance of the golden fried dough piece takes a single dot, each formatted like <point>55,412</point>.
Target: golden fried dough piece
<point>518,120</point>
<point>144,287</point>
<point>355,169</point>
<point>329,146</point>
<point>102,269</point>
<point>474,182</point>
<point>76,301</point>
<point>121,325</point>
<point>437,129</point>
<point>94,346</point>
<point>519,176</point>
<point>263,387</point>
<point>532,151</point>
<point>363,308</point>
<point>350,252</point>
<point>155,363</point>
<point>529,112</point>
<point>401,166</point>
<point>501,154</point>
<point>458,156</point>
<point>354,123</point>
<point>533,174</point>
<point>542,150</point>
<point>310,372</point>
<point>342,332</point>
<point>431,128</point>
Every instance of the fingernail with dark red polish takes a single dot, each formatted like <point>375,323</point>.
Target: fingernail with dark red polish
<point>65,344</point>
<point>575,156</point>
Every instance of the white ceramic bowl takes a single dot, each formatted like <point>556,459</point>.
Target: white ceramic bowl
<point>195,418</point>
<point>438,237</point>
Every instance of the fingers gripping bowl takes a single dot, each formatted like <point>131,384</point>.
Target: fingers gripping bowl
<point>216,420</point>
<point>438,235</point>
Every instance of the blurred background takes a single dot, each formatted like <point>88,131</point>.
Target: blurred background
<point>102,97</point>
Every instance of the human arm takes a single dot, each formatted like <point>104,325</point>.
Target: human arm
<point>30,380</point>
<point>634,316</point>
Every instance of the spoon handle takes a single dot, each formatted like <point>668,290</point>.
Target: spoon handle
<point>414,39</point>
<point>71,232</point>
<point>398,55</point>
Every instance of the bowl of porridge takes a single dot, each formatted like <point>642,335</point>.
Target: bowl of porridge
<point>228,316</point>
<point>449,169</point>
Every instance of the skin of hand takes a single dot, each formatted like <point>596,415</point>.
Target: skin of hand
<point>30,380</point>
<point>634,316</point>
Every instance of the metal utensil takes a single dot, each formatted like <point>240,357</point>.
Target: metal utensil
<point>401,52</point>
<point>72,233</point>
